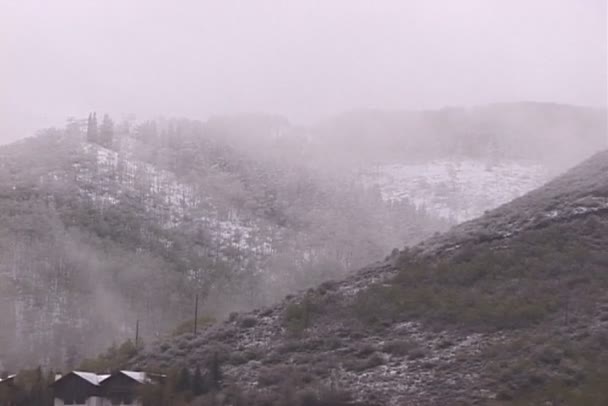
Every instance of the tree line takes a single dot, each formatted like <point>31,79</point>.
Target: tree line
<point>102,134</point>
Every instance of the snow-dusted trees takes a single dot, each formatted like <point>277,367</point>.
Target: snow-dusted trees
<point>106,132</point>
<point>102,134</point>
<point>92,131</point>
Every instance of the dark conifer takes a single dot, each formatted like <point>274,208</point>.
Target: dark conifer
<point>106,132</point>
<point>92,128</point>
<point>184,380</point>
<point>198,384</point>
<point>214,372</point>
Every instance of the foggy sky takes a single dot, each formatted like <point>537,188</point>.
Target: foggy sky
<point>303,59</point>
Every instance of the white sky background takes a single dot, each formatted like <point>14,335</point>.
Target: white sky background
<point>303,59</point>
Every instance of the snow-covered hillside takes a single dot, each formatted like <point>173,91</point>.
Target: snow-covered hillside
<point>169,200</point>
<point>457,190</point>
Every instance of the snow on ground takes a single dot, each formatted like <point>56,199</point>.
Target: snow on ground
<point>458,190</point>
<point>164,195</point>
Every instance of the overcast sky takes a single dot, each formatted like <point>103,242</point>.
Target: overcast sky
<point>303,58</point>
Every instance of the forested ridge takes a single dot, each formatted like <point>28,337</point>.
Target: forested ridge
<point>519,319</point>
<point>99,234</point>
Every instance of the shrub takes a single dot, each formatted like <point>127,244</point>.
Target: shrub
<point>359,365</point>
<point>188,326</point>
<point>298,316</point>
<point>248,322</point>
<point>115,357</point>
<point>400,347</point>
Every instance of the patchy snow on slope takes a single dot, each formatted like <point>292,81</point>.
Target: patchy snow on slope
<point>162,190</point>
<point>115,177</point>
<point>240,234</point>
<point>457,190</point>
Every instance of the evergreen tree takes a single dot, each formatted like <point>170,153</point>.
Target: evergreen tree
<point>214,373</point>
<point>38,387</point>
<point>92,128</point>
<point>198,385</point>
<point>106,132</point>
<point>183,380</point>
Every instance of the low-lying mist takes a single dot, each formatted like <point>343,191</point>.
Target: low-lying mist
<point>239,210</point>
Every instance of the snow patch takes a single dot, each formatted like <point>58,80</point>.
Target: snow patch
<point>457,190</point>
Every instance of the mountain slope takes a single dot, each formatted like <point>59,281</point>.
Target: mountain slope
<point>95,238</point>
<point>517,318</point>
<point>580,192</point>
<point>239,210</point>
<point>457,189</point>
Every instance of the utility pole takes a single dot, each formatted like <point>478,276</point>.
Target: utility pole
<point>137,334</point>
<point>195,314</point>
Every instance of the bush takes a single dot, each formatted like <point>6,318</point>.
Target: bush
<point>188,326</point>
<point>298,316</point>
<point>248,322</point>
<point>400,348</point>
<point>515,287</point>
<point>113,359</point>
<point>359,365</point>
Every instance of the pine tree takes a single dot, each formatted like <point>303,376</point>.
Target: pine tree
<point>38,387</point>
<point>106,132</point>
<point>198,384</point>
<point>183,381</point>
<point>214,372</point>
<point>92,128</point>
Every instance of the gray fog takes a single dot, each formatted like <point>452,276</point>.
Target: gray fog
<point>302,59</point>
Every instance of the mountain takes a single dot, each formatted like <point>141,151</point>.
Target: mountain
<point>457,163</point>
<point>457,189</point>
<point>100,233</point>
<point>510,308</point>
<point>95,237</point>
<point>580,192</point>
<point>454,163</point>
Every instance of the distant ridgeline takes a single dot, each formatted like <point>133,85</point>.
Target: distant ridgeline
<point>556,135</point>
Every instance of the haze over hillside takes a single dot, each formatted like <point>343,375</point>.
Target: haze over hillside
<point>503,309</point>
<point>178,208</point>
<point>240,210</point>
<point>304,203</point>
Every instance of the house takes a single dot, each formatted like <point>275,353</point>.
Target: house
<point>78,388</point>
<point>8,381</point>
<point>8,390</point>
<point>89,389</point>
<point>122,388</point>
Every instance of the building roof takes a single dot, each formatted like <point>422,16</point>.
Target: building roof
<point>97,379</point>
<point>90,376</point>
<point>140,377</point>
<point>8,378</point>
